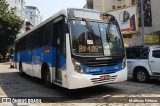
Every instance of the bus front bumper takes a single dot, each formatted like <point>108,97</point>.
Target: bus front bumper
<point>77,80</point>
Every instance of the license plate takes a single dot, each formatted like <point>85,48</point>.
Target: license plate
<point>105,77</point>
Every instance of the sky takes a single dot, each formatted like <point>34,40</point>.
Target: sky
<point>50,7</point>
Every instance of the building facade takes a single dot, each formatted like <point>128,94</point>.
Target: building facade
<point>107,5</point>
<point>151,18</point>
<point>28,25</point>
<point>33,15</point>
<point>18,7</point>
<point>30,15</point>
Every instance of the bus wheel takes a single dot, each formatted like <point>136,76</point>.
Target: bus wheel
<point>47,78</point>
<point>141,75</point>
<point>21,69</point>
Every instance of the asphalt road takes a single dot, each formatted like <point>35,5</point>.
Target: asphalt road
<point>13,85</point>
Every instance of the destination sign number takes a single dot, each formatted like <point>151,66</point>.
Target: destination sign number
<point>88,49</point>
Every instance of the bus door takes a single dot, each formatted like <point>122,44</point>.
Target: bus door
<point>59,35</point>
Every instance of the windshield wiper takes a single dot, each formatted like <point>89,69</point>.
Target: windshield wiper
<point>89,27</point>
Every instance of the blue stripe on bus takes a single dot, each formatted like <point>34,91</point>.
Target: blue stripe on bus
<point>38,56</point>
<point>102,70</point>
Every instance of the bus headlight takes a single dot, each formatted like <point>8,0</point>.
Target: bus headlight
<point>77,66</point>
<point>124,63</point>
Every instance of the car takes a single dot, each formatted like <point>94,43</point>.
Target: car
<point>144,63</point>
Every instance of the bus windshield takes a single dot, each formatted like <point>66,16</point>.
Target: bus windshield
<point>90,38</point>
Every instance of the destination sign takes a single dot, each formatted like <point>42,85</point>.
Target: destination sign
<point>90,15</point>
<point>87,14</point>
<point>88,49</point>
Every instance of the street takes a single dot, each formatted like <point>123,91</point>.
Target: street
<point>13,85</point>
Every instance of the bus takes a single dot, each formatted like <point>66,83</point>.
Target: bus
<point>75,48</point>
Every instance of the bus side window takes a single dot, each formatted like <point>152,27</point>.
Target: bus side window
<point>30,43</point>
<point>47,34</point>
<point>37,38</point>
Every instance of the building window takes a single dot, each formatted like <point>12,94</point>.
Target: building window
<point>113,7</point>
<point>127,36</point>
<point>119,0</point>
<point>118,6</point>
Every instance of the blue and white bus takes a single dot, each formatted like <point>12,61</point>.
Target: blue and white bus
<point>75,48</point>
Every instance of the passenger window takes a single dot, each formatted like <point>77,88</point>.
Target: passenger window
<point>156,53</point>
<point>47,34</point>
<point>144,55</point>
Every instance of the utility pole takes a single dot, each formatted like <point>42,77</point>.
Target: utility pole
<point>142,23</point>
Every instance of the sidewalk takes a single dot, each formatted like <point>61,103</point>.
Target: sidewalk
<point>5,67</point>
<point>6,63</point>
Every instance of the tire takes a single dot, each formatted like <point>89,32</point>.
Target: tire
<point>141,75</point>
<point>21,69</point>
<point>47,78</point>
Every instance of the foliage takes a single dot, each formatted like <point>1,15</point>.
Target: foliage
<point>10,26</point>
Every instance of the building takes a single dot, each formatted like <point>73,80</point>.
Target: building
<point>89,4</point>
<point>151,21</point>
<point>27,25</point>
<point>33,15</point>
<point>106,5</point>
<point>18,7</point>
<point>151,15</point>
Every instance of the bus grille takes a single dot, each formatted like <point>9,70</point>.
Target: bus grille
<point>102,63</point>
<point>98,80</point>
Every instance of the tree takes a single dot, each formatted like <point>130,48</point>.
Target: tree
<point>10,26</point>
